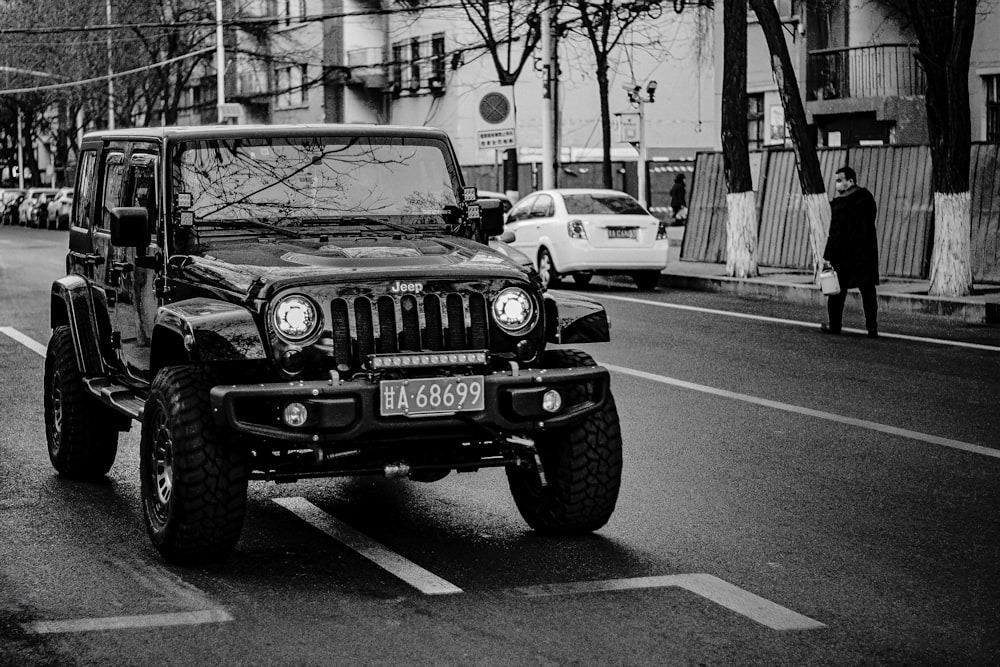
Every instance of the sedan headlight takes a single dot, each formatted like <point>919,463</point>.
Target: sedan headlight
<point>295,317</point>
<point>513,309</point>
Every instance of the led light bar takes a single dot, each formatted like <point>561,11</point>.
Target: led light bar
<point>426,359</point>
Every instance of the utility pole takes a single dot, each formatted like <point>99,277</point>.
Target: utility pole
<point>640,100</point>
<point>111,80</point>
<point>548,154</point>
<point>220,61</point>
<point>20,148</point>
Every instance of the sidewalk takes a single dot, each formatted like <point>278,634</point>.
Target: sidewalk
<point>899,295</point>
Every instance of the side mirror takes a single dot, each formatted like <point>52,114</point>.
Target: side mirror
<point>130,227</point>
<point>491,223</point>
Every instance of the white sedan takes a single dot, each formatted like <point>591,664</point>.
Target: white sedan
<point>582,232</point>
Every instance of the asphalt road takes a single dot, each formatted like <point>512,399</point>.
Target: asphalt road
<point>788,498</point>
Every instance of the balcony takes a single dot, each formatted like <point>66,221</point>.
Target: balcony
<point>863,72</point>
<point>367,67</point>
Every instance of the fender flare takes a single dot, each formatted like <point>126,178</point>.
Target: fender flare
<point>570,318</point>
<point>204,330</point>
<point>74,303</point>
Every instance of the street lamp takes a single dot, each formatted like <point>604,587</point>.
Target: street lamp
<point>639,100</point>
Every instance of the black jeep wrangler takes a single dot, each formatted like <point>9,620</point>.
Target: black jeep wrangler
<point>288,302</point>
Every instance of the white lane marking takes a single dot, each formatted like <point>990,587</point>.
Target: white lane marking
<point>717,590</point>
<point>162,585</point>
<point>797,323</point>
<point>29,343</point>
<point>125,622</point>
<point>424,581</point>
<point>820,414</point>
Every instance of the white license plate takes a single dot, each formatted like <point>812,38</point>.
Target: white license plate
<point>431,395</point>
<point>621,232</point>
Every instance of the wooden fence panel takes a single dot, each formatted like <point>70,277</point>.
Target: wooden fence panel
<point>899,178</point>
<point>704,237</point>
<point>779,183</point>
<point>984,168</point>
<point>784,227</point>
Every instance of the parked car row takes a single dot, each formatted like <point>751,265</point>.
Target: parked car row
<point>44,208</point>
<point>583,232</point>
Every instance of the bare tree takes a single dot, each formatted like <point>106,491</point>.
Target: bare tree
<point>741,202</point>
<point>604,29</point>
<point>945,31</point>
<point>510,32</point>
<point>806,159</point>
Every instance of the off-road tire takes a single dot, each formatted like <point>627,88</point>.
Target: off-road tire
<point>547,269</point>
<point>582,463</point>
<point>194,474</point>
<point>646,280</point>
<point>81,432</point>
<point>582,278</point>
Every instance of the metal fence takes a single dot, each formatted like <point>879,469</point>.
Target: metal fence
<point>899,178</point>
<point>885,70</point>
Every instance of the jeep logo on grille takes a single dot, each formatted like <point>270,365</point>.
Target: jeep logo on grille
<point>399,287</point>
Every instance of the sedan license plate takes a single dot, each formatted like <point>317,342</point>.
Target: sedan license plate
<point>424,396</point>
<point>621,232</point>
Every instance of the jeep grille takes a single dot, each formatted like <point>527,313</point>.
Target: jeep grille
<point>407,323</point>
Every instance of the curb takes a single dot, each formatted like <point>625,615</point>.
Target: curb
<point>968,310</point>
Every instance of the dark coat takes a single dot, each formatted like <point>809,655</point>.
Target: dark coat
<point>852,247</point>
<point>678,196</point>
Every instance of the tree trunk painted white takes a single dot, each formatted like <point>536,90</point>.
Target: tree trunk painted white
<point>818,216</point>
<point>951,257</point>
<point>741,234</point>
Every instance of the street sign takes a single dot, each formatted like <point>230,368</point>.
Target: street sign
<point>628,127</point>
<point>504,138</point>
<point>495,119</point>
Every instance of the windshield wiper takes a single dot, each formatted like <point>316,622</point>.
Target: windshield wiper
<point>259,224</point>
<point>358,220</point>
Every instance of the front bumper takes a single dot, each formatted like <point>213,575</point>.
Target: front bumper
<point>348,410</point>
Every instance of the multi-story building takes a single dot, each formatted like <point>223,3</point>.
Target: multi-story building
<point>856,65</point>
<point>378,61</point>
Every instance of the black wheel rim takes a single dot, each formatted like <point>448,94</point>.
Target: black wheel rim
<point>545,269</point>
<point>56,406</point>
<point>161,470</point>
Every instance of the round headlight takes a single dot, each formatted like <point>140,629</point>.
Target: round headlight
<point>295,317</point>
<point>513,309</point>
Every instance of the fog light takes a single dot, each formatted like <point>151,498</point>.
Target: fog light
<point>551,401</point>
<point>295,414</point>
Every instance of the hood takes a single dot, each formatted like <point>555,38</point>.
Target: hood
<point>246,267</point>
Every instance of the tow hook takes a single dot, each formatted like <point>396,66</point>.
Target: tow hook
<point>527,446</point>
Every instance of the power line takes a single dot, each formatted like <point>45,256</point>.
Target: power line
<point>233,22</point>
<point>53,86</point>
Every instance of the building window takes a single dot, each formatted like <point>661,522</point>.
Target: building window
<point>414,64</point>
<point>755,121</point>
<point>992,108</point>
<point>419,65</point>
<point>291,11</point>
<point>292,86</point>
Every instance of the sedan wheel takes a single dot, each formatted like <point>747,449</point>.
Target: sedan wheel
<point>547,269</point>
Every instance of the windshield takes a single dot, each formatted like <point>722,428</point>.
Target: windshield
<point>602,204</point>
<point>295,181</point>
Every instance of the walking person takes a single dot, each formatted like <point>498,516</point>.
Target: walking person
<point>678,199</point>
<point>852,249</point>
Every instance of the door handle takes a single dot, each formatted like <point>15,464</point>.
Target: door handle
<point>93,260</point>
<point>122,267</point>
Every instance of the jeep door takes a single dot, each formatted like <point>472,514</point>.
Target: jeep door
<point>136,301</point>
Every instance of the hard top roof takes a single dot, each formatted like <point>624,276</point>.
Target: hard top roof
<point>195,132</point>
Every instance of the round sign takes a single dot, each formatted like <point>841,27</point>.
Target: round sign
<point>494,108</point>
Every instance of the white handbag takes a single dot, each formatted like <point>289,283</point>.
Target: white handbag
<point>829,283</point>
